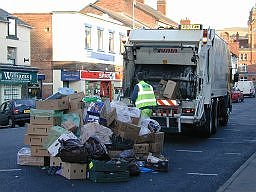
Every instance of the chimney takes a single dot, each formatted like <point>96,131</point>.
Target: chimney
<point>185,21</point>
<point>161,6</point>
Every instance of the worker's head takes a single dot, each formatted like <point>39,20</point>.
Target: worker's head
<point>140,76</point>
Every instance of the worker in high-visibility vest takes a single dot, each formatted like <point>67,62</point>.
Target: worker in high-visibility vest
<point>143,96</point>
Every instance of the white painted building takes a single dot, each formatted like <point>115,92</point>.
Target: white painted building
<point>85,39</point>
<point>16,75</point>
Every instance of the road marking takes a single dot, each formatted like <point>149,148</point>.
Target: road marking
<point>232,130</point>
<point>232,153</point>
<point>248,140</point>
<point>232,142</point>
<point>9,170</point>
<point>190,151</point>
<point>216,138</point>
<point>203,174</point>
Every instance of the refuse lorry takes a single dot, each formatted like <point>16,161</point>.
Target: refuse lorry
<point>191,62</point>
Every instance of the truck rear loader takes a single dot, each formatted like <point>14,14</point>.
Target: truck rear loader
<point>195,63</point>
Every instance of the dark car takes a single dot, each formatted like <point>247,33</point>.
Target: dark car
<point>16,111</point>
<point>237,95</point>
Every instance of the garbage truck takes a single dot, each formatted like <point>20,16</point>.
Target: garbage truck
<point>190,71</point>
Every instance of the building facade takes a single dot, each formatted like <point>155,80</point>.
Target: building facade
<point>83,49</point>
<point>17,78</point>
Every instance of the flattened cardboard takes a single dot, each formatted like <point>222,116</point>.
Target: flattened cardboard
<point>76,97</point>
<point>170,89</point>
<point>30,160</point>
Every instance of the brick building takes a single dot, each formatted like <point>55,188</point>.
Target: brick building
<point>122,12</point>
<point>246,37</point>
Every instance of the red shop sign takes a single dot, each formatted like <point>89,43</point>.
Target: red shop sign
<point>98,75</point>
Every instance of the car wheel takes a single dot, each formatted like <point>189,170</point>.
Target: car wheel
<point>11,123</point>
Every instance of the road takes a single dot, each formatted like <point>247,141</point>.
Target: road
<point>196,164</point>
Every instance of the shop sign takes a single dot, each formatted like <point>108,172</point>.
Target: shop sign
<point>99,75</point>
<point>70,76</point>
<point>18,77</point>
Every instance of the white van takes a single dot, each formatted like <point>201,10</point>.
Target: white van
<point>247,87</point>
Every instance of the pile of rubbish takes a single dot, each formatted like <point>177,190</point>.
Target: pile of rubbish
<point>81,137</point>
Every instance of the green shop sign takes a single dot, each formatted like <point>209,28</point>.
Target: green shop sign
<point>18,77</point>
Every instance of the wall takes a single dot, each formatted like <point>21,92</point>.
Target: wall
<point>41,46</point>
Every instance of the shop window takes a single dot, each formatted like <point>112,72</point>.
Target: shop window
<point>12,27</point>
<point>111,42</point>
<point>11,92</point>
<point>11,55</point>
<point>100,39</point>
<point>66,84</point>
<point>88,37</point>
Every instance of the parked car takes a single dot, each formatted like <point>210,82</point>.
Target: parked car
<point>15,111</point>
<point>247,87</point>
<point>237,95</point>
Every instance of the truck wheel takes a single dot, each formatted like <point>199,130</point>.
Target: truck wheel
<point>208,126</point>
<point>11,122</point>
<point>215,123</point>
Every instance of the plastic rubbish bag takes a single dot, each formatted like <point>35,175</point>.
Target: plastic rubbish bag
<point>149,126</point>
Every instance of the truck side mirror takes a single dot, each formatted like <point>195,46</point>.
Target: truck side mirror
<point>236,77</point>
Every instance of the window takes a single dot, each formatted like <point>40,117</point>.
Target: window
<point>88,37</point>
<point>122,43</point>
<point>245,57</point>
<point>243,78</point>
<point>243,67</point>
<point>12,27</point>
<point>100,39</point>
<point>11,55</point>
<point>241,56</point>
<point>111,42</point>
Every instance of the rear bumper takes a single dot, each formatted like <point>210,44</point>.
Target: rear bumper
<point>22,118</point>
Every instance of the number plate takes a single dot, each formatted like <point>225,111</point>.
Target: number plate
<point>27,111</point>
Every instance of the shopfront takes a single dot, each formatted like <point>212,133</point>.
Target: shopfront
<point>18,83</point>
<point>100,83</point>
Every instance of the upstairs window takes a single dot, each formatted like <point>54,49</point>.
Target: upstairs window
<point>111,42</point>
<point>12,27</point>
<point>122,43</point>
<point>100,39</point>
<point>88,37</point>
<point>243,68</point>
<point>11,55</point>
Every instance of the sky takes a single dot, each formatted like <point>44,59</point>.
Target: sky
<point>216,14</point>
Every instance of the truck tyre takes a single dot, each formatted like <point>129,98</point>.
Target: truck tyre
<point>208,126</point>
<point>215,118</point>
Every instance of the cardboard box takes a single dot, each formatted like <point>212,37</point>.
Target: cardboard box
<point>109,118</point>
<point>156,147</point>
<point>53,149</point>
<point>24,158</point>
<point>53,104</point>
<point>55,162</point>
<point>34,129</point>
<point>135,120</point>
<point>39,151</point>
<point>149,138</point>
<point>34,139</point>
<point>170,89</point>
<point>127,130</point>
<point>30,160</point>
<point>69,125</point>
<point>158,137</point>
<point>74,105</point>
<point>74,170</point>
<point>45,120</point>
<point>76,97</point>
<point>141,148</point>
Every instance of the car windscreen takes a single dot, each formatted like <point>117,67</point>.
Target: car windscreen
<point>29,103</point>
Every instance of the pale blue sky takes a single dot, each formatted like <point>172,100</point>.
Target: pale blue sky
<point>213,13</point>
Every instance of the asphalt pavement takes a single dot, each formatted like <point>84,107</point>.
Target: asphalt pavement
<point>243,180</point>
